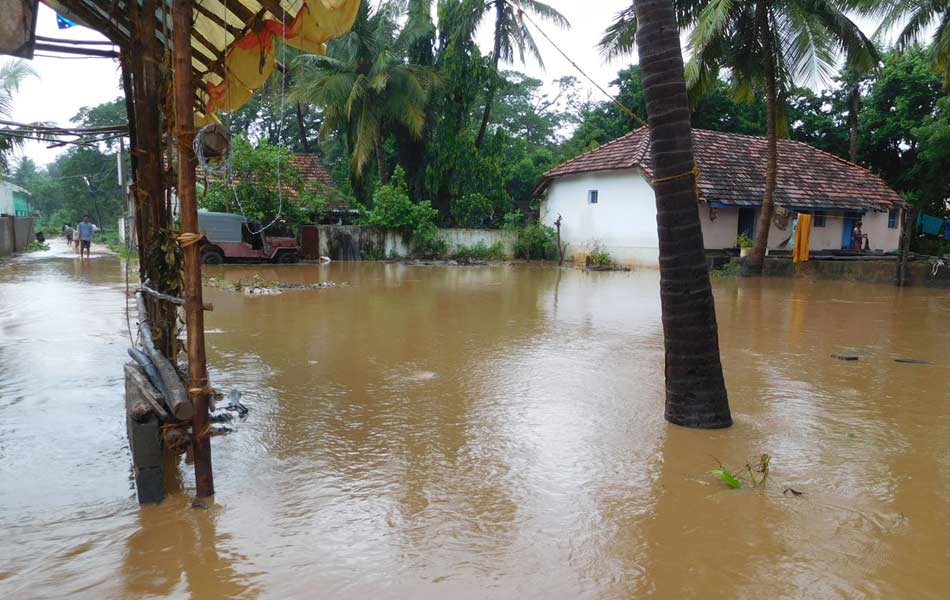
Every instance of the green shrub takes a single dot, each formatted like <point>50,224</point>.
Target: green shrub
<point>600,257</point>
<point>392,209</point>
<point>730,269</point>
<point>536,242</point>
<point>743,241</point>
<point>473,210</point>
<point>513,221</point>
<point>480,251</point>
<point>425,241</point>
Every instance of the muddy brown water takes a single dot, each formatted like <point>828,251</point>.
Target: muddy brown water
<point>481,432</point>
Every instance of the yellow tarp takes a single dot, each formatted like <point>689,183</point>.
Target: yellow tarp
<point>250,60</point>
<point>802,235</point>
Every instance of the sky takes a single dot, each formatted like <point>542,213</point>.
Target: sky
<point>66,85</point>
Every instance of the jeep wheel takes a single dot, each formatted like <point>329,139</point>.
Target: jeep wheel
<point>212,256</point>
<point>286,258</point>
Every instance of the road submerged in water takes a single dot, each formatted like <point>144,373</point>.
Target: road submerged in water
<point>481,432</point>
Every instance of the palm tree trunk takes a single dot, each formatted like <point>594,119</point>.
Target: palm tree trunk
<point>380,161</point>
<point>304,143</point>
<point>493,82</point>
<point>695,388</point>
<point>854,102</point>
<point>757,259</point>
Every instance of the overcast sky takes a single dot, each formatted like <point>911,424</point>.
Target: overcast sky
<point>66,85</point>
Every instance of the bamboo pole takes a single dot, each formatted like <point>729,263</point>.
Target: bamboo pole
<point>194,313</point>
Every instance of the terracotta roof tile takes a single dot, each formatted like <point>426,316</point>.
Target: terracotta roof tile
<point>733,171</point>
<point>312,168</point>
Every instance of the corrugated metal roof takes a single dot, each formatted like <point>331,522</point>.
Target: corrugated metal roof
<point>232,40</point>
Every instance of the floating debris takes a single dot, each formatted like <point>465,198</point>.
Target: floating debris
<point>794,492</point>
<point>846,356</point>
<point>910,361</point>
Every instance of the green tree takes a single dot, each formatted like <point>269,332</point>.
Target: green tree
<point>695,388</point>
<point>511,35</point>
<point>12,75</point>
<point>364,86</point>
<point>266,186</point>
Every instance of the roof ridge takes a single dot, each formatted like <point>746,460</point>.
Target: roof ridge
<point>592,150</point>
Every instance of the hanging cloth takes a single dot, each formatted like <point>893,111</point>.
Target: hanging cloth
<point>802,235</point>
<point>928,224</point>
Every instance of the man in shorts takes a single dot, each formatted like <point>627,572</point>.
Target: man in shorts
<point>85,231</point>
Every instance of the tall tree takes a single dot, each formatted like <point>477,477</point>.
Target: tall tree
<point>917,16</point>
<point>365,87</point>
<point>771,44</point>
<point>695,388</point>
<point>512,34</point>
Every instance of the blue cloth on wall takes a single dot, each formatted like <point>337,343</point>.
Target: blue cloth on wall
<point>929,225</point>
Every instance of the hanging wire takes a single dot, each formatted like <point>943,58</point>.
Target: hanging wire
<point>227,164</point>
<point>610,96</point>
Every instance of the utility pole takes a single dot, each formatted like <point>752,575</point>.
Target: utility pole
<point>198,387</point>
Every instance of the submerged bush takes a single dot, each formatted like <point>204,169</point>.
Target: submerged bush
<point>480,251</point>
<point>536,242</point>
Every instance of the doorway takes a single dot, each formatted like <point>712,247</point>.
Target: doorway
<point>746,222</point>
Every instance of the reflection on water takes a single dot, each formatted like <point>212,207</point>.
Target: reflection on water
<point>481,432</point>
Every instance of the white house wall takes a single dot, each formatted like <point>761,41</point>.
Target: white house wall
<point>623,221</point>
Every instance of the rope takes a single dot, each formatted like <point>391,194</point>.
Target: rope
<point>188,239</point>
<point>612,98</point>
<point>695,171</point>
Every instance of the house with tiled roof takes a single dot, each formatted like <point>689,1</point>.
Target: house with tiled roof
<point>605,197</point>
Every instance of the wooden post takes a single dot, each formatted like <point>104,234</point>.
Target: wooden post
<point>194,312</point>
<point>908,222</point>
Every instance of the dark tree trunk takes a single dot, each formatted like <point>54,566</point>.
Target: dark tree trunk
<point>380,161</point>
<point>854,104</point>
<point>493,82</point>
<point>695,388</point>
<point>304,143</point>
<point>757,259</point>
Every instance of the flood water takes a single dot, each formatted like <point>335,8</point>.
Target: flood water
<point>481,432</point>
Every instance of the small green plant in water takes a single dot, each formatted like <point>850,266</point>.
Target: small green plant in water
<point>35,246</point>
<point>735,480</point>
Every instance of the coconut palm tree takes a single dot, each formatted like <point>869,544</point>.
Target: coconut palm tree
<point>364,85</point>
<point>769,45</point>
<point>695,389</point>
<point>773,44</point>
<point>917,16</point>
<point>12,75</point>
<point>512,34</point>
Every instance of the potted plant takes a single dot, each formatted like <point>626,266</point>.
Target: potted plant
<point>745,244</point>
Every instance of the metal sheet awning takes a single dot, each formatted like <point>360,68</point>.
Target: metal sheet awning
<point>233,41</point>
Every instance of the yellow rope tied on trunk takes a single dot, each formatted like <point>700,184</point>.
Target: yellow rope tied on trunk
<point>695,171</point>
<point>187,239</point>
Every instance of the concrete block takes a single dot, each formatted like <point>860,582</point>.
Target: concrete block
<point>145,441</point>
<point>149,485</point>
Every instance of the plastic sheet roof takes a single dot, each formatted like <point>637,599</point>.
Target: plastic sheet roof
<point>233,41</point>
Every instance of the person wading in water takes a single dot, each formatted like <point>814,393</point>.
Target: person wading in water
<point>85,230</point>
